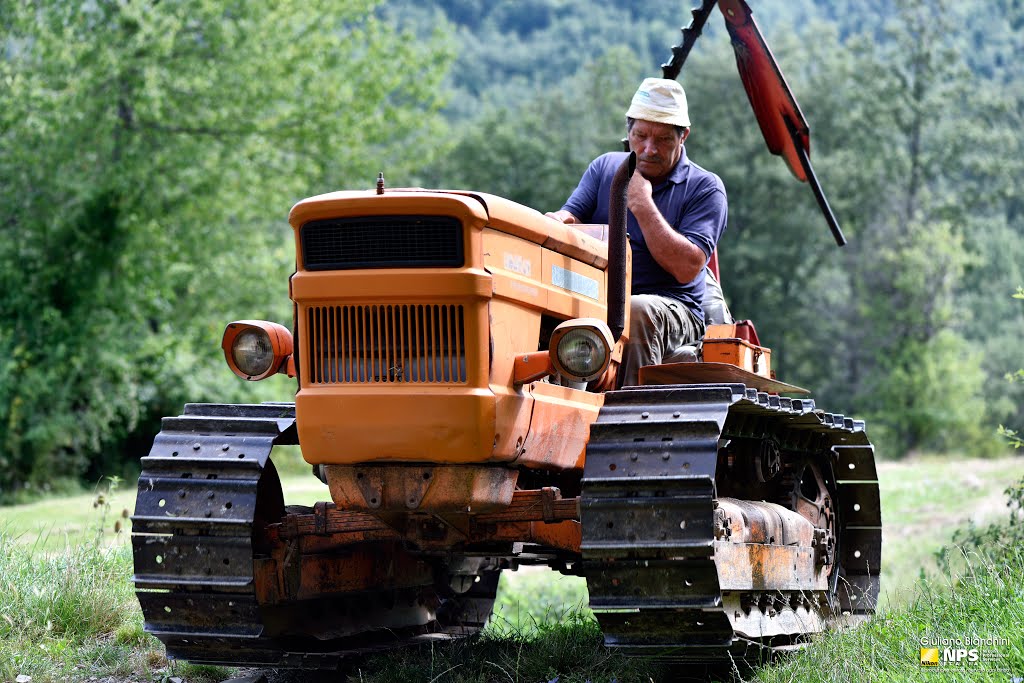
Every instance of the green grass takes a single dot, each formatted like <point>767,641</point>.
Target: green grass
<point>68,522</point>
<point>66,615</point>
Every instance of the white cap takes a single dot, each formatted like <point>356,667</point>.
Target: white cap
<point>660,100</point>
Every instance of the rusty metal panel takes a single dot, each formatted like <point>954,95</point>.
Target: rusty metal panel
<point>795,615</point>
<point>659,451</point>
<point>763,567</point>
<point>647,526</point>
<point>209,614</point>
<point>659,630</point>
<point>229,651</point>
<point>187,444</point>
<point>217,506</point>
<point>209,561</point>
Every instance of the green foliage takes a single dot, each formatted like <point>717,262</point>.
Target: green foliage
<point>997,542</point>
<point>1012,436</point>
<point>528,600</point>
<point>526,152</point>
<point>150,153</point>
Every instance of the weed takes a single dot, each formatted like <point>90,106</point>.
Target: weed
<point>994,542</point>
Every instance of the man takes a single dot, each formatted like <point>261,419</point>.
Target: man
<point>677,212</point>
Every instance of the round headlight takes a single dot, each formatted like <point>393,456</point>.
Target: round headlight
<point>582,353</point>
<point>252,352</point>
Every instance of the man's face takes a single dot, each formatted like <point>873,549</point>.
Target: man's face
<point>658,147</point>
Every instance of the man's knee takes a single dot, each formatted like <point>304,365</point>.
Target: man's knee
<point>644,311</point>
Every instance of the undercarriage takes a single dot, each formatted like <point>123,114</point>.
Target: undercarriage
<point>710,522</point>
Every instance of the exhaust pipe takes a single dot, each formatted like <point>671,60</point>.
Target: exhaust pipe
<point>617,247</point>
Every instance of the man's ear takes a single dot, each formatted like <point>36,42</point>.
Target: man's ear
<point>686,134</point>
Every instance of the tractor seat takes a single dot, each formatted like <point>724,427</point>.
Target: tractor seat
<point>716,312</point>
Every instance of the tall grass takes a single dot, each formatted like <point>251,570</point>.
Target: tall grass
<point>64,615</point>
<point>70,614</point>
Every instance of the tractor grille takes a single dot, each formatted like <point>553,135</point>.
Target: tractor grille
<point>382,242</point>
<point>386,343</point>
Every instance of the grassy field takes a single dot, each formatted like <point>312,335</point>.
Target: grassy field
<point>924,501</point>
<point>67,608</point>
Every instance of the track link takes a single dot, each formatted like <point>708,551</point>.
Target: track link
<point>647,511</point>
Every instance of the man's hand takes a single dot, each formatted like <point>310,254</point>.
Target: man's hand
<point>562,217</point>
<point>639,195</point>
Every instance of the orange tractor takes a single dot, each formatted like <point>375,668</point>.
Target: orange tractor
<point>454,353</point>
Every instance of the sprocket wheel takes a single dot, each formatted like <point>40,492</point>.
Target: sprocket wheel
<point>805,489</point>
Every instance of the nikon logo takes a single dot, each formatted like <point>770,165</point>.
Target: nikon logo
<point>929,656</point>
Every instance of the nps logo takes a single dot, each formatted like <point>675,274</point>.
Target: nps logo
<point>930,656</point>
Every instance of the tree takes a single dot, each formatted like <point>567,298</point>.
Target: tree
<point>150,153</point>
<point>1013,436</point>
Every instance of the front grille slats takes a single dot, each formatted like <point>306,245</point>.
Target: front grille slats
<point>376,343</point>
<point>382,242</point>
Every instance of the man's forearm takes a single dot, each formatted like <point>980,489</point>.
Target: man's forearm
<point>674,252</point>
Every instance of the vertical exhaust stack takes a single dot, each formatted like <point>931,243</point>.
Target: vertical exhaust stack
<point>617,247</point>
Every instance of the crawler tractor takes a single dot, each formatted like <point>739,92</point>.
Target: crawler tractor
<point>455,355</point>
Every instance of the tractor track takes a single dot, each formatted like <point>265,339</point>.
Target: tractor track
<point>647,510</point>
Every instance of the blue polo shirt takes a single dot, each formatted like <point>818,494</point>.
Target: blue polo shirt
<point>691,199</point>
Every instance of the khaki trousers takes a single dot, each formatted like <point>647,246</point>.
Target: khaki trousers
<point>658,326</point>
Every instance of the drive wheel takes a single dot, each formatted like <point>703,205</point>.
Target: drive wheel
<point>808,488</point>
